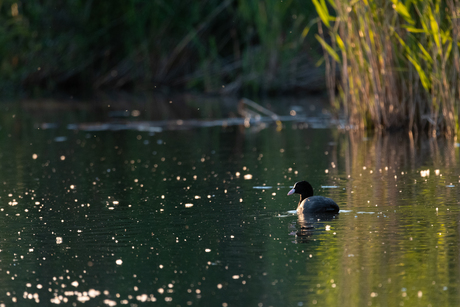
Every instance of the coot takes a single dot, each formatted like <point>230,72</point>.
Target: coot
<point>312,204</point>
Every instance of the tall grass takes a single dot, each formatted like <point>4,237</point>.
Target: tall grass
<point>228,46</point>
<point>398,62</point>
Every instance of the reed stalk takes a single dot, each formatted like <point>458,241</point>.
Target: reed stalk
<point>398,62</point>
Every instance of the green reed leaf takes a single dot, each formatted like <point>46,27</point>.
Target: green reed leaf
<point>413,29</point>
<point>425,53</point>
<point>322,12</point>
<point>449,49</point>
<point>423,78</point>
<point>402,10</point>
<point>340,42</point>
<point>435,30</point>
<point>401,41</point>
<point>445,36</point>
<point>328,48</point>
<point>305,32</point>
<point>332,3</point>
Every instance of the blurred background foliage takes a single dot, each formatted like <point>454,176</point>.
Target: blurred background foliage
<point>225,47</point>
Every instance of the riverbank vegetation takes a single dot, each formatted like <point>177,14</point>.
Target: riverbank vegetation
<point>210,46</point>
<point>398,62</point>
<point>389,64</point>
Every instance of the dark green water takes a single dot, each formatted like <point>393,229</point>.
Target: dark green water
<point>199,216</point>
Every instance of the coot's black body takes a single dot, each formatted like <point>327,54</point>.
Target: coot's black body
<point>312,204</point>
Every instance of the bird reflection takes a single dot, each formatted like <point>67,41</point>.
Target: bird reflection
<point>307,225</point>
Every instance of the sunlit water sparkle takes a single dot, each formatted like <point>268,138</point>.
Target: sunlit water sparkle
<point>200,217</point>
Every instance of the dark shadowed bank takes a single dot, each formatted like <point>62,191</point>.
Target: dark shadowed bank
<point>209,46</point>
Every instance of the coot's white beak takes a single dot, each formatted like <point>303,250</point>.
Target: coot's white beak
<point>291,192</point>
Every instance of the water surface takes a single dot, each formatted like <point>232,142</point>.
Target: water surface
<point>200,216</point>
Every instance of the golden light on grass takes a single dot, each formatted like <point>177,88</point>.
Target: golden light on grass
<point>393,73</point>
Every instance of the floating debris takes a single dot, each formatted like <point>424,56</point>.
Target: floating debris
<point>60,139</point>
<point>162,125</point>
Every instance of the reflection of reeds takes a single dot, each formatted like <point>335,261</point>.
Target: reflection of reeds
<point>382,166</point>
<point>406,230</point>
<point>398,62</point>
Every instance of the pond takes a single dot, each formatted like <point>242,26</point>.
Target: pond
<point>104,207</point>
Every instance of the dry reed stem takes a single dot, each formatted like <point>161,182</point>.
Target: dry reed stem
<point>380,85</point>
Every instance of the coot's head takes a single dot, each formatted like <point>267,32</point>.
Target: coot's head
<point>303,188</point>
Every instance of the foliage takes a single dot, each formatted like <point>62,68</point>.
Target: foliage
<point>399,62</point>
<point>250,45</point>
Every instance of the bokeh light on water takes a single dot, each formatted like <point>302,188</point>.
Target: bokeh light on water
<point>200,216</point>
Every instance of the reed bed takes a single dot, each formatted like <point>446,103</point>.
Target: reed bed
<point>395,64</point>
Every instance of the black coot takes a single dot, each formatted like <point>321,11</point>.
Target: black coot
<point>312,204</point>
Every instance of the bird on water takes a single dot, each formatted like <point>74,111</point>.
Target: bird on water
<point>312,204</point>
